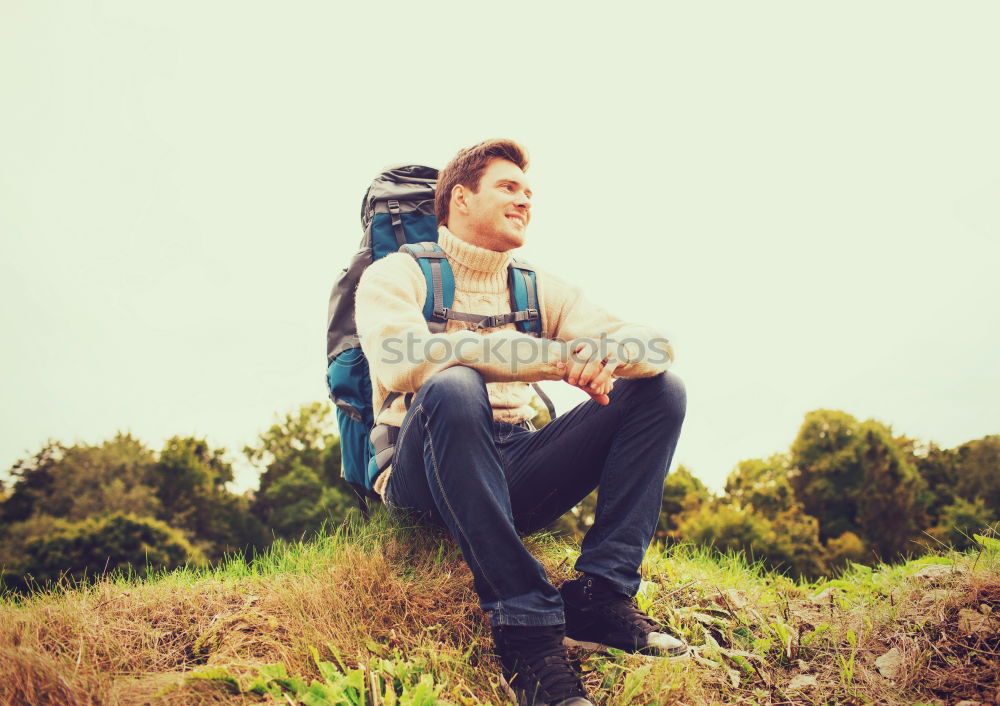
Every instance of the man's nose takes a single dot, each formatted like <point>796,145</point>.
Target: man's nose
<point>522,200</point>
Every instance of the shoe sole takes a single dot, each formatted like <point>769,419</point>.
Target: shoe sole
<point>511,694</point>
<point>599,647</point>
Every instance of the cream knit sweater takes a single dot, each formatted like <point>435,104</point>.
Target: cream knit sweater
<point>403,354</point>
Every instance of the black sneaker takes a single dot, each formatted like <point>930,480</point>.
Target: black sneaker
<point>599,616</point>
<point>536,668</point>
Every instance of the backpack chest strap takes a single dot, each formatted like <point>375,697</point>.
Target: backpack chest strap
<point>433,262</point>
<point>481,321</point>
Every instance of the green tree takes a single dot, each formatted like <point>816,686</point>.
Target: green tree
<point>300,503</point>
<point>189,480</point>
<point>762,484</point>
<point>683,494</point>
<point>979,471</point>
<point>301,485</point>
<point>74,482</point>
<point>104,544</point>
<point>788,543</point>
<point>940,470</point>
<point>760,516</point>
<point>825,472</point>
<point>847,548</point>
<point>960,520</point>
<point>889,500</point>
<point>853,477</point>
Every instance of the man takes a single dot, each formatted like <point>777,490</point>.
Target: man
<point>468,458</point>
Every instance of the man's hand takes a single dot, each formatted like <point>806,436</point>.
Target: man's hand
<point>588,370</point>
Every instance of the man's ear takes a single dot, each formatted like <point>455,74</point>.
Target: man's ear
<point>458,199</point>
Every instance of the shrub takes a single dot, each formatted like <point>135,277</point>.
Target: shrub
<point>103,544</point>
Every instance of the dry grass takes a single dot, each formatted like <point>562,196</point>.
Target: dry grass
<point>392,594</point>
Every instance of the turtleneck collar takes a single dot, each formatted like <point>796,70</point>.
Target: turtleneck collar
<point>472,256</point>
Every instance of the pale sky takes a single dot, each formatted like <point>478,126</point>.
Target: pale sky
<point>802,196</point>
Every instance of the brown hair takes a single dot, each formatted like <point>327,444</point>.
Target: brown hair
<point>467,167</point>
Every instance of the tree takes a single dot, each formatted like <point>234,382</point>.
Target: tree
<point>788,543</point>
<point>824,470</point>
<point>853,477</point>
<point>960,520</point>
<point>889,500</point>
<point>301,459</point>
<point>683,494</point>
<point>760,516</point>
<point>762,484</point>
<point>98,544</point>
<point>847,548</point>
<point>189,480</point>
<point>74,482</point>
<point>300,503</point>
<point>940,470</point>
<point>979,471</point>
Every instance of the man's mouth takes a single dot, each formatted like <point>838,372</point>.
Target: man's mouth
<point>516,217</point>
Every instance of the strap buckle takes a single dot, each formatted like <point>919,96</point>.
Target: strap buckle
<point>441,314</point>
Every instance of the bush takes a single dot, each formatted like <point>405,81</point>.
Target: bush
<point>103,544</point>
<point>959,521</point>
<point>788,542</point>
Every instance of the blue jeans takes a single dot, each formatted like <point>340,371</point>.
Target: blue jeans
<point>490,482</point>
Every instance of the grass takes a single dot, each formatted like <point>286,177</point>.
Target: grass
<point>380,614</point>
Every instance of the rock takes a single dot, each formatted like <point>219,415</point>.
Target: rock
<point>937,572</point>
<point>802,681</point>
<point>822,597</point>
<point>972,622</point>
<point>968,703</point>
<point>732,598</point>
<point>890,664</point>
<point>934,596</point>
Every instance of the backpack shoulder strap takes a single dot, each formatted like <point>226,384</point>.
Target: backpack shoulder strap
<point>440,281</point>
<point>524,297</point>
<point>528,318</point>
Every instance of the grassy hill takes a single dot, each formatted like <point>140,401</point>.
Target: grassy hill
<point>386,616</point>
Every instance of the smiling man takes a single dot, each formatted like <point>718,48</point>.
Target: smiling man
<point>467,457</point>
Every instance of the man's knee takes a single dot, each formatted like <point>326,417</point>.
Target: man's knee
<point>664,392</point>
<point>455,385</point>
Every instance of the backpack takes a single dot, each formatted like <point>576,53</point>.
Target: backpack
<point>397,214</point>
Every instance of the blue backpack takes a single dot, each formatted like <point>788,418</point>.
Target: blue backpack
<point>397,214</point>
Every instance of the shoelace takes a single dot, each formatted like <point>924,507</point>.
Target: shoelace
<point>552,669</point>
<point>627,613</point>
<point>560,679</point>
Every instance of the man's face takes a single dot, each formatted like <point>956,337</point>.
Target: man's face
<point>500,211</point>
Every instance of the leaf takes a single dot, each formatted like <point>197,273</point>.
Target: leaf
<point>813,634</point>
<point>219,675</point>
<point>633,683</point>
<point>890,663</point>
<point>989,544</point>
<point>802,681</point>
<point>734,677</point>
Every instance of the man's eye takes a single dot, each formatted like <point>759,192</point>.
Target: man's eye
<point>507,187</point>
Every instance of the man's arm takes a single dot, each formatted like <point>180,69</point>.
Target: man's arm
<point>403,354</point>
<point>604,346</point>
